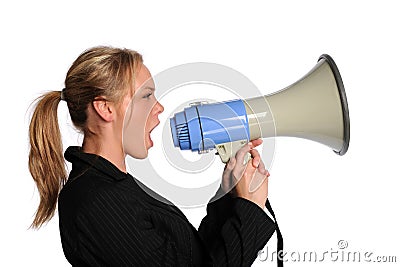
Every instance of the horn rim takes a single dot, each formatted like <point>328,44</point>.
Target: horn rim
<point>343,100</point>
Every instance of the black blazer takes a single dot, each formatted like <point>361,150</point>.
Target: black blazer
<point>106,219</point>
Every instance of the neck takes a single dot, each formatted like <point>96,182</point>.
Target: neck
<point>108,148</point>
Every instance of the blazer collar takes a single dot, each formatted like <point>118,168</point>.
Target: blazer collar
<point>80,159</point>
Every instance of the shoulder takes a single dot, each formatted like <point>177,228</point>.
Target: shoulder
<point>95,197</point>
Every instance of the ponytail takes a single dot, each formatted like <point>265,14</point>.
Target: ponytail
<point>46,161</point>
<point>99,71</point>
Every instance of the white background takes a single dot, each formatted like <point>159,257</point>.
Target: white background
<point>319,197</point>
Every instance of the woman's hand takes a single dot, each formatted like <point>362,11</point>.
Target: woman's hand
<point>251,179</point>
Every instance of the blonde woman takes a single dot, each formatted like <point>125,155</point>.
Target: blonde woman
<point>105,217</point>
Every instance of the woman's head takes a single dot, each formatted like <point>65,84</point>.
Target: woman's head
<point>100,72</point>
<point>109,93</point>
<point>141,116</point>
<point>99,87</point>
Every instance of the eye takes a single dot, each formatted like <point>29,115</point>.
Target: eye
<point>148,95</point>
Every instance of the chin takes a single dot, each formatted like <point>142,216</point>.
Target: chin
<point>140,156</point>
<point>143,153</point>
<point>137,154</point>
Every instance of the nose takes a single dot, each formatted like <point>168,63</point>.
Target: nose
<point>158,108</point>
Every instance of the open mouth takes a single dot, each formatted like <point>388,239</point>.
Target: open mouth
<point>151,141</point>
<point>154,127</point>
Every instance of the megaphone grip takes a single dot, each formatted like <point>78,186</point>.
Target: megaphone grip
<point>229,149</point>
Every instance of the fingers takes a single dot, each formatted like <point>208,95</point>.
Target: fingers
<point>231,163</point>
<point>227,174</point>
<point>242,152</point>
<point>250,180</point>
<point>246,148</point>
<point>254,153</point>
<point>257,162</point>
<point>256,142</point>
<point>260,173</point>
<point>258,180</point>
<point>256,158</point>
<point>236,167</point>
<point>240,155</point>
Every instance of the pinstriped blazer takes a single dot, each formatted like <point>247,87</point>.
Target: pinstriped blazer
<point>106,219</point>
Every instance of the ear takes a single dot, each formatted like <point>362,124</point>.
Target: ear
<point>104,109</point>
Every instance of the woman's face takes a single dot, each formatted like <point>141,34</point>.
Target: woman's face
<point>141,116</point>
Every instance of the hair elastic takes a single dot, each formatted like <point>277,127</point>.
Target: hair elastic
<point>62,94</point>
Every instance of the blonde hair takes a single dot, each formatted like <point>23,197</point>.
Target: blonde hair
<point>98,72</point>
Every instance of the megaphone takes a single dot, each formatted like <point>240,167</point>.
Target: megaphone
<point>314,108</point>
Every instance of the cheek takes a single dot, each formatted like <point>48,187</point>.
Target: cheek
<point>134,133</point>
<point>134,124</point>
<point>151,111</point>
<point>146,113</point>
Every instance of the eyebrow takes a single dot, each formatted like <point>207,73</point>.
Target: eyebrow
<point>150,88</point>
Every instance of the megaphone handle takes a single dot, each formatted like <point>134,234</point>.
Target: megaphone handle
<point>247,157</point>
<point>229,149</point>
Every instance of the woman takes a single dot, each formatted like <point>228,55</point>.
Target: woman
<point>105,217</point>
